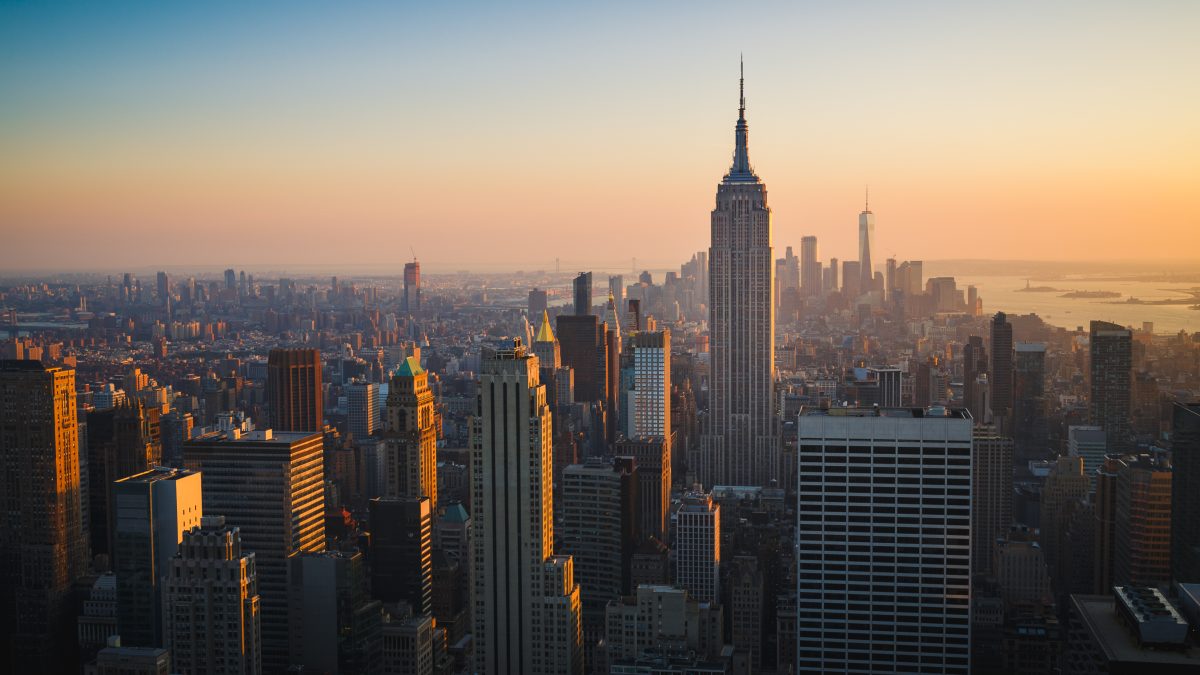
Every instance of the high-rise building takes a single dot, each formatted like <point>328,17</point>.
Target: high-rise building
<point>1089,444</point>
<point>164,288</point>
<point>230,279</point>
<point>870,598</point>
<point>525,601</point>
<point>41,528</point>
<point>121,441</point>
<point>787,278</point>
<point>657,620</point>
<point>616,289</point>
<point>1104,528</point>
<point>1131,632</point>
<point>649,401</point>
<point>583,344</point>
<point>545,345</point>
<point>295,398</point>
<point>991,495</point>
<point>411,302</point>
<point>1029,427</point>
<point>744,599</point>
<point>1061,493</point>
<point>851,280</point>
<point>867,255</point>
<point>407,645</point>
<point>653,457</point>
<point>1109,406</point>
<point>402,552</point>
<point>211,604</point>
<point>975,363</point>
<point>582,287</point>
<point>598,525</point>
<point>537,302</point>
<point>741,444</point>
<point>890,385</point>
<point>283,472</point>
<point>810,267</point>
<point>334,625</point>
<point>612,366</point>
<point>698,547</point>
<point>1142,534</point>
<point>1185,498</point>
<point>1000,374</point>
<point>153,510</point>
<point>362,409</point>
<point>410,439</point>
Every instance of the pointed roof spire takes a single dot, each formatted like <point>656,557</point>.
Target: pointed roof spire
<point>741,172</point>
<point>544,334</point>
<point>867,200</point>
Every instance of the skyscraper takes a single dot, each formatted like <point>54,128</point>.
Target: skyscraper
<point>362,409</point>
<point>649,401</point>
<point>411,301</point>
<point>1030,429</point>
<point>334,625</point>
<point>698,547</point>
<point>974,364</point>
<point>810,267</point>
<point>583,344</point>
<point>283,472</point>
<point>525,601</point>
<point>1185,498</point>
<point>866,248</point>
<point>991,495</point>
<point>653,456</point>
<point>871,599</point>
<point>295,398</point>
<point>402,552</point>
<point>537,302</point>
<point>616,288</point>
<point>741,444</point>
<point>1142,532</point>
<point>583,294</point>
<point>1001,372</point>
<point>153,510</point>
<point>211,607</point>
<point>44,548</point>
<point>122,441</point>
<point>1112,362</point>
<point>410,439</point>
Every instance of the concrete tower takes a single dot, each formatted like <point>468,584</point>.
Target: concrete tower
<point>410,441</point>
<point>525,601</point>
<point>741,445</point>
<point>866,247</point>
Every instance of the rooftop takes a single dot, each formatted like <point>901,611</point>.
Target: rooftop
<point>907,413</point>
<point>1099,614</point>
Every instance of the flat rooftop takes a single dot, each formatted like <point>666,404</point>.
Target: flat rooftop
<point>936,412</point>
<point>1119,643</point>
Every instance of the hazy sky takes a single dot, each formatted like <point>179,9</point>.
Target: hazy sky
<point>488,134</point>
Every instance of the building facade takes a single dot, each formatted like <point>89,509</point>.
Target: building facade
<point>295,398</point>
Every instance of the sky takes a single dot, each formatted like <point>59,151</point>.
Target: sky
<point>504,136</point>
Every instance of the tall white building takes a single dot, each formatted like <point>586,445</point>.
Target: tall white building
<point>884,541</point>
<point>741,443</point>
<point>525,601</point>
<point>1091,444</point>
<point>698,547</point>
<point>649,400</point>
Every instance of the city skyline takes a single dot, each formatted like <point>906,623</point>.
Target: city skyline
<point>1038,125</point>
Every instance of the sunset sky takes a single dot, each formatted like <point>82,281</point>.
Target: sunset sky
<point>497,136</point>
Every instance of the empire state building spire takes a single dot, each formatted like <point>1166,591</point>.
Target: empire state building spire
<point>741,172</point>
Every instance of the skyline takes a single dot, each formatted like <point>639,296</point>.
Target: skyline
<point>373,132</point>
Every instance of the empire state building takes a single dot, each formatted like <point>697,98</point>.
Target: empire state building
<point>741,441</point>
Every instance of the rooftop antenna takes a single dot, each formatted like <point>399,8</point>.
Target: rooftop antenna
<point>741,87</point>
<point>867,199</point>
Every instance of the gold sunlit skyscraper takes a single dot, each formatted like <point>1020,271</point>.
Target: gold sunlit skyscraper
<point>741,446</point>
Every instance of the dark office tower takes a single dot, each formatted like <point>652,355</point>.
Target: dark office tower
<point>410,437</point>
<point>537,303</point>
<point>411,302</point>
<point>851,279</point>
<point>294,394</point>
<point>583,294</point>
<point>121,441</point>
<point>810,267</point>
<point>741,443</point>
<point>1061,493</point>
<point>1000,373</point>
<point>583,344</point>
<point>164,288</point>
<point>991,496</point>
<point>1142,535</point>
<point>43,548</point>
<point>154,508</point>
<point>334,625</point>
<point>1109,408</point>
<point>974,364</point>
<point>743,596</point>
<point>1104,510</point>
<point>612,365</point>
<point>889,278</point>
<point>230,280</point>
<point>211,607</point>
<point>832,283</point>
<point>598,526</point>
<point>524,600</point>
<point>1185,498</point>
<point>284,472</point>
<point>242,284</point>
<point>635,314</point>
<point>402,551</point>
<point>653,457</point>
<point>1029,401</point>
